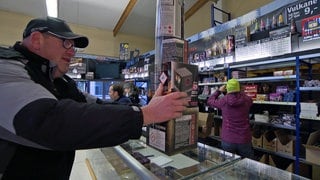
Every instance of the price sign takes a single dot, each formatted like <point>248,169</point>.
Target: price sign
<point>303,9</point>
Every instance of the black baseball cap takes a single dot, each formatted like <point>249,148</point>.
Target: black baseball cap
<point>57,27</point>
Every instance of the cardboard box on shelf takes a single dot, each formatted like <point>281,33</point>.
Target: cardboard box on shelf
<point>313,151</point>
<point>205,121</point>
<point>288,165</point>
<point>283,73</point>
<point>275,97</point>
<point>257,142</point>
<point>257,138</point>
<point>285,142</point>
<point>264,159</point>
<point>251,91</point>
<point>273,160</point>
<point>261,118</point>
<point>309,110</point>
<point>309,106</point>
<point>278,73</point>
<point>238,74</point>
<point>262,97</point>
<point>290,168</point>
<point>212,131</point>
<point>270,141</point>
<point>279,162</point>
<point>304,169</point>
<point>315,172</point>
<point>288,72</point>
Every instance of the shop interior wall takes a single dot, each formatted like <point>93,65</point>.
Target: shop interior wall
<point>103,43</point>
<point>200,21</point>
<point>240,8</point>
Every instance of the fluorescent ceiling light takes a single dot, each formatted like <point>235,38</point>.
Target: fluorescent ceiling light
<point>52,8</point>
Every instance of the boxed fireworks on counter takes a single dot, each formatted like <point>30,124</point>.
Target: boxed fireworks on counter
<point>176,135</point>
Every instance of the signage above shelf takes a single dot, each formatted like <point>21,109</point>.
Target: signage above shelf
<point>277,29</point>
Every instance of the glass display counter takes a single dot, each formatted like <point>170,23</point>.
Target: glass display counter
<point>135,160</point>
<point>144,162</point>
<point>249,169</point>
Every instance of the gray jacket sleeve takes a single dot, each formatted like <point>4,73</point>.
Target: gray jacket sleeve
<point>31,112</point>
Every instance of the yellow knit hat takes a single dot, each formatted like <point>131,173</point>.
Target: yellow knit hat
<point>233,86</point>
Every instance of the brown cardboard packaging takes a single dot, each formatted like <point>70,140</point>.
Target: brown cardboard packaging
<point>257,138</point>
<point>312,151</point>
<point>272,162</point>
<point>270,141</point>
<point>285,142</point>
<point>257,142</point>
<point>303,169</point>
<point>288,165</point>
<point>183,77</point>
<point>212,132</point>
<point>315,172</point>
<point>205,121</point>
<point>264,159</point>
<point>176,135</point>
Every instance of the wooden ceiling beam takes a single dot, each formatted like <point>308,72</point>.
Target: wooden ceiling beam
<point>194,8</point>
<point>124,16</point>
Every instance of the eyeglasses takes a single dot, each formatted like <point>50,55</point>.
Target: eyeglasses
<point>66,43</point>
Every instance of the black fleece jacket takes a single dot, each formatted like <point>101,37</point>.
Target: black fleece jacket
<point>55,114</point>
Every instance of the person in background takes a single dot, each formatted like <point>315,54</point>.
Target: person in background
<point>235,107</point>
<point>116,94</point>
<point>45,118</point>
<point>132,92</point>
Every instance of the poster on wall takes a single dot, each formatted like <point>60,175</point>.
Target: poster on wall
<point>124,51</point>
<point>311,28</point>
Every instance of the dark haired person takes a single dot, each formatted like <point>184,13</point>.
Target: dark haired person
<point>116,94</point>
<point>132,92</point>
<point>45,118</point>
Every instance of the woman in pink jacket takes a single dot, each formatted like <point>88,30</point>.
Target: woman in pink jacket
<point>235,107</point>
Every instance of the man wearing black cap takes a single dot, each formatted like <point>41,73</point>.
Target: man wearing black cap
<point>44,118</point>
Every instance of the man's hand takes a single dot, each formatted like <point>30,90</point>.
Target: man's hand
<point>164,108</point>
